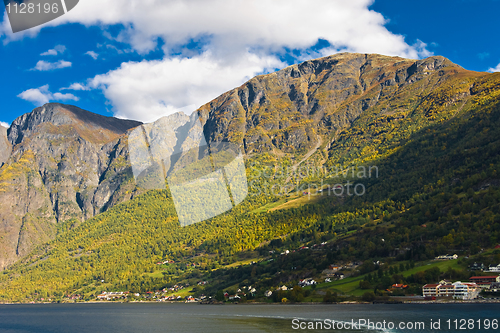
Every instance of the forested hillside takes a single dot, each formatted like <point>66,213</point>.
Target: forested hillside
<point>428,129</point>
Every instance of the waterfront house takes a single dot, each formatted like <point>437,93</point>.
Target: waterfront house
<point>457,290</point>
<point>465,290</point>
<point>430,290</point>
<point>485,281</point>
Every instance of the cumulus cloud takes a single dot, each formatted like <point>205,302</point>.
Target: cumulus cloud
<point>42,95</point>
<point>4,124</point>
<point>76,86</point>
<point>43,65</point>
<point>148,90</point>
<point>233,40</point>
<point>92,54</point>
<point>494,69</point>
<point>58,49</point>
<point>239,23</point>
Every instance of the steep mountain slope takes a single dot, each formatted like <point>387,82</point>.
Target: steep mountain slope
<point>66,163</point>
<point>286,111</point>
<point>360,109</point>
<point>455,192</point>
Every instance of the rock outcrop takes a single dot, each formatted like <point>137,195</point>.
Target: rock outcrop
<point>67,164</point>
<point>5,147</point>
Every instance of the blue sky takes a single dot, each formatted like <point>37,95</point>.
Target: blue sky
<point>142,60</point>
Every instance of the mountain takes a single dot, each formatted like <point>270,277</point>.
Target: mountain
<point>429,126</point>
<point>65,164</point>
<point>5,146</point>
<point>287,110</point>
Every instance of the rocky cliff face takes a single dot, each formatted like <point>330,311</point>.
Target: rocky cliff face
<point>286,111</point>
<point>67,164</point>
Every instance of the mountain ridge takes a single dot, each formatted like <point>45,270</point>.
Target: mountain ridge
<point>63,114</point>
<point>325,92</point>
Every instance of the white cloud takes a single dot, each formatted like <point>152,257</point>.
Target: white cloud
<point>42,95</point>
<point>43,65</point>
<point>8,36</point>
<point>494,69</point>
<point>37,96</point>
<point>58,49</point>
<point>271,25</point>
<point>4,124</point>
<point>148,90</point>
<point>92,54</point>
<point>76,86</point>
<point>240,23</point>
<point>236,39</point>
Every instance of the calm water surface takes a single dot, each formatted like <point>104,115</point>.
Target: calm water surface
<point>192,318</point>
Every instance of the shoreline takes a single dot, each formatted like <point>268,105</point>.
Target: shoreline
<point>392,302</point>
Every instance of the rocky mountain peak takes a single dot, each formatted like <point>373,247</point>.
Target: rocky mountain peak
<point>64,163</point>
<point>90,126</point>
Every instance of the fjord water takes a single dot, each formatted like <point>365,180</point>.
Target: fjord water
<point>192,318</point>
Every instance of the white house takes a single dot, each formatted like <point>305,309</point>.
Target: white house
<point>447,257</point>
<point>494,268</point>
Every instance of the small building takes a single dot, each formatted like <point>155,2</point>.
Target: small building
<point>306,282</point>
<point>339,276</point>
<point>494,287</point>
<point>268,293</point>
<point>485,281</point>
<point>430,290</point>
<point>334,267</point>
<point>447,257</point>
<point>494,268</point>
<point>399,286</point>
<point>476,267</point>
